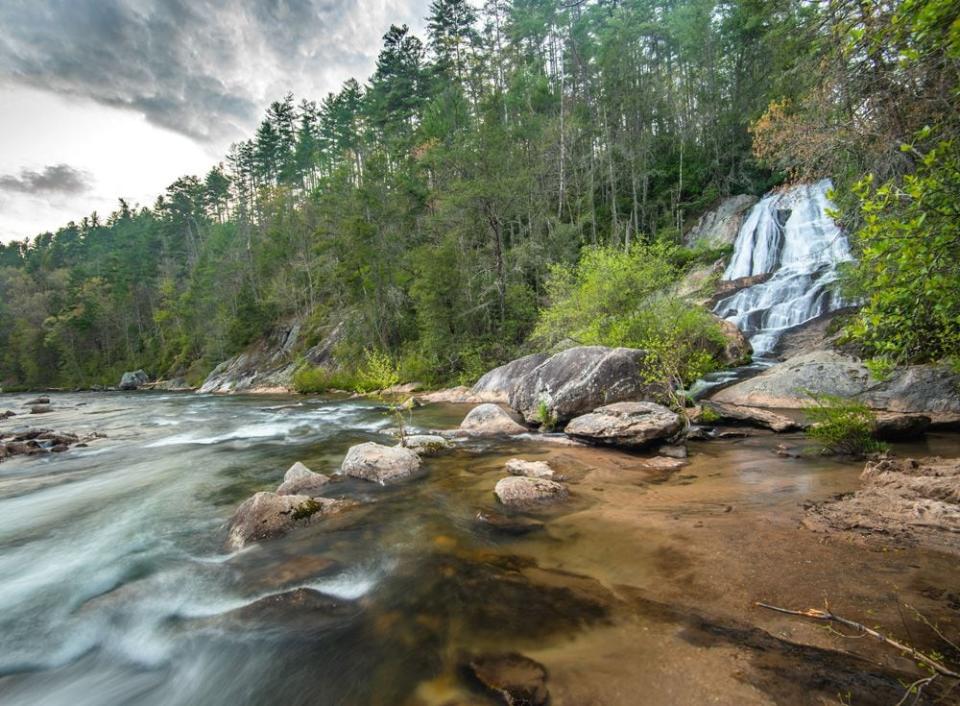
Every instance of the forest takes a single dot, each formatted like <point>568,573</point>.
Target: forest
<point>449,206</point>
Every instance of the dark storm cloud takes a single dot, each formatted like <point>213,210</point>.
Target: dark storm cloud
<point>203,68</point>
<point>52,179</point>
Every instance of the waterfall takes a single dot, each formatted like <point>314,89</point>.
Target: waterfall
<point>790,235</point>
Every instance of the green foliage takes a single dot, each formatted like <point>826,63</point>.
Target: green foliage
<point>547,419</point>
<point>842,426</point>
<point>377,372</point>
<point>307,509</point>
<point>907,271</point>
<point>311,380</point>
<point>615,298</point>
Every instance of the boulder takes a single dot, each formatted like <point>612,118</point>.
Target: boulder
<point>451,395</point>
<point>515,680</point>
<point>497,384</point>
<point>426,444</point>
<point>729,287</point>
<point>132,381</point>
<point>522,492</point>
<point>379,463</point>
<point>933,390</point>
<point>300,480</point>
<point>721,225</point>
<point>579,380</point>
<point>7,414</point>
<point>491,420</point>
<point>531,469</point>
<point>41,409</point>
<point>752,416</point>
<point>891,426</point>
<point>629,424</point>
<point>269,515</point>
<point>37,400</point>
<point>736,349</point>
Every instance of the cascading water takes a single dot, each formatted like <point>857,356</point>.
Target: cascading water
<point>790,235</point>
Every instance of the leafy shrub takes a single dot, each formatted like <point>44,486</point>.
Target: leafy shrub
<point>310,379</point>
<point>377,372</point>
<point>547,419</point>
<point>614,298</point>
<point>907,270</point>
<point>842,426</point>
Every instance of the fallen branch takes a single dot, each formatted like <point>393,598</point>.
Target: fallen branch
<point>827,616</point>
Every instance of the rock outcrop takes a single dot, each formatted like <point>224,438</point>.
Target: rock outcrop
<point>917,500</point>
<point>268,365</point>
<point>300,480</point>
<point>491,420</point>
<point>525,493</point>
<point>134,380</point>
<point>497,384</point>
<point>736,349</point>
<point>380,464</point>
<point>579,380</point>
<point>933,390</point>
<point>269,515</point>
<point>627,424</point>
<point>720,226</point>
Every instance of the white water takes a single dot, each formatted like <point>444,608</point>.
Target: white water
<point>789,234</point>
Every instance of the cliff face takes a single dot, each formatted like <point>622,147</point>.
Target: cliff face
<point>268,365</point>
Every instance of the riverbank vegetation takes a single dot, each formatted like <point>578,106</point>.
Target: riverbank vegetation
<point>461,198</point>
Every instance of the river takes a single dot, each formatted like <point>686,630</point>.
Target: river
<point>115,587</point>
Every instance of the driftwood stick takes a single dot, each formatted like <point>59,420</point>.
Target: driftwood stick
<point>827,616</point>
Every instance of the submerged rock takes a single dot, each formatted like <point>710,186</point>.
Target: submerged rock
<point>300,480</point>
<point>491,420</point>
<point>515,680</point>
<point>507,524</point>
<point>379,463</point>
<point>41,409</point>
<point>578,380</point>
<point>134,380</point>
<point>531,469</point>
<point>36,401</point>
<point>523,492</point>
<point>7,414</point>
<point>426,444</point>
<point>628,424</point>
<point>269,515</point>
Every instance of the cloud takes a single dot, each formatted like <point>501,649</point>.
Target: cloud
<point>61,179</point>
<point>203,68</point>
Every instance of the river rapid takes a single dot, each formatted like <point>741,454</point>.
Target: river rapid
<point>115,587</point>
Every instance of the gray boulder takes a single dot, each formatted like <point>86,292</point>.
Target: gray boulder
<point>629,424</point>
<point>578,380</point>
<point>930,389</point>
<point>300,480</point>
<point>426,444</point>
<point>134,380</point>
<point>491,420</point>
<point>522,492</point>
<point>269,515</point>
<point>720,226</point>
<point>752,416</point>
<point>531,469</point>
<point>380,464</point>
<point>497,384</point>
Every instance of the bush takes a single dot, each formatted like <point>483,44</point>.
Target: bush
<point>842,426</point>
<point>310,379</point>
<point>377,372</point>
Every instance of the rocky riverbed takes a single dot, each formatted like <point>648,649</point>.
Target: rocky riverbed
<point>639,578</point>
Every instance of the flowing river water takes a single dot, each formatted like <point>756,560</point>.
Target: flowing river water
<point>115,587</point>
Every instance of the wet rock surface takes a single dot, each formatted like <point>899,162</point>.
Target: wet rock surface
<point>522,492</point>
<point>627,424</point>
<point>531,469</point>
<point>514,679</point>
<point>35,442</point>
<point>426,444</point>
<point>300,480</point>
<point>752,416</point>
<point>501,523</point>
<point>380,464</point>
<point>269,515</point>
<point>916,500</point>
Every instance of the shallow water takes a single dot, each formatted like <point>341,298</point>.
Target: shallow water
<point>115,587</point>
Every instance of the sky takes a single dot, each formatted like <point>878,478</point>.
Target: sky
<point>103,99</point>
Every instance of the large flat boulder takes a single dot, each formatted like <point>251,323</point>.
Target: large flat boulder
<point>379,463</point>
<point>269,515</point>
<point>752,416</point>
<point>491,420</point>
<point>928,389</point>
<point>578,380</point>
<point>627,424</point>
<point>497,384</point>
